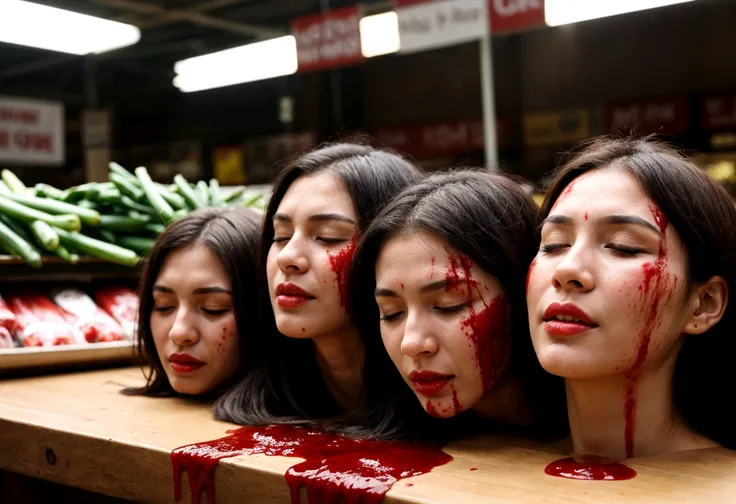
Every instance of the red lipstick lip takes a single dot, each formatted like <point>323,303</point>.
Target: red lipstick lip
<point>568,310</point>
<point>429,383</point>
<point>186,359</point>
<point>288,289</point>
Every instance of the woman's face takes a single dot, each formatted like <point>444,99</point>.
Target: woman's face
<point>315,230</point>
<point>443,322</point>
<point>193,322</point>
<point>608,291</point>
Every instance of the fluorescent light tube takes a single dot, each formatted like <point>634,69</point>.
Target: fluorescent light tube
<point>561,12</point>
<point>379,34</point>
<point>261,60</point>
<point>34,25</point>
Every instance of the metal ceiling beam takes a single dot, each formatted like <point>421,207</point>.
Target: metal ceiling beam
<point>145,23</point>
<point>193,17</point>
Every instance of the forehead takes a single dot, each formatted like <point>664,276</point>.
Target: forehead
<point>195,266</point>
<point>412,253</point>
<point>317,193</point>
<point>607,190</point>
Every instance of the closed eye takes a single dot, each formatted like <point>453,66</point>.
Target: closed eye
<point>215,312</point>
<point>552,247</point>
<point>163,309</point>
<point>451,309</point>
<point>280,239</point>
<point>623,250</point>
<point>331,241</point>
<point>390,316</point>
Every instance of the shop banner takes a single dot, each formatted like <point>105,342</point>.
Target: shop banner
<point>31,131</point>
<point>515,15</point>
<point>664,115</point>
<point>441,23</point>
<point>718,111</point>
<point>447,138</point>
<point>328,40</point>
<point>556,128</point>
<point>228,166</point>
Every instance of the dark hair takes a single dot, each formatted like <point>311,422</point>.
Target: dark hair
<point>489,218</point>
<point>282,382</point>
<point>232,235</point>
<point>704,217</point>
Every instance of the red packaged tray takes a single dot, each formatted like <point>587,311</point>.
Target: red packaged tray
<point>39,322</point>
<point>82,313</point>
<point>122,304</point>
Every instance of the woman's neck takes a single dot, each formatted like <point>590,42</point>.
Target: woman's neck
<point>620,416</point>
<point>340,358</point>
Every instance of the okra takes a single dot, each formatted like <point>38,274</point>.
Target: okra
<point>16,245</point>
<point>163,209</point>
<point>186,191</point>
<point>98,248</point>
<point>26,214</point>
<point>53,207</point>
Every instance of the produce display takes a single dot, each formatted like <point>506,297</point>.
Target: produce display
<point>116,221</point>
<point>66,316</point>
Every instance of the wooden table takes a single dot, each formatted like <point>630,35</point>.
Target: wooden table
<point>77,430</point>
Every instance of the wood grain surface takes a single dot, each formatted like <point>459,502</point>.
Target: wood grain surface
<point>77,430</point>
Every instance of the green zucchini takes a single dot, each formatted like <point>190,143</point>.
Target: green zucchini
<point>26,214</point>
<point>204,192</point>
<point>186,191</point>
<point>153,194</point>
<point>126,187</point>
<point>16,245</point>
<point>215,193</point>
<point>98,248</point>
<point>122,223</point>
<point>53,207</point>
<point>13,182</point>
<point>45,236</point>
<point>136,243</point>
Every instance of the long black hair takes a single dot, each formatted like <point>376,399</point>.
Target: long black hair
<point>703,214</point>
<point>282,382</point>
<point>489,218</point>
<point>232,235</point>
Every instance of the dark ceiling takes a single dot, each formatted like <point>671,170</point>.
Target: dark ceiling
<point>171,30</point>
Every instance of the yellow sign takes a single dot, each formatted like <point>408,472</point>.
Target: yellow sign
<point>554,129</point>
<point>228,166</point>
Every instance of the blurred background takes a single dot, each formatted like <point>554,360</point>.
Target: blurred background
<point>507,83</point>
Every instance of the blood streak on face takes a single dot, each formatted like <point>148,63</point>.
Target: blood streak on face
<point>564,194</point>
<point>341,263</point>
<point>654,287</point>
<point>485,329</point>
<point>529,273</point>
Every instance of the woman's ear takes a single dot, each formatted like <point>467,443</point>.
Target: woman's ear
<point>708,304</point>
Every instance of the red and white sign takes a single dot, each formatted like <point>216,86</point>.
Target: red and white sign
<point>441,23</point>
<point>515,15</point>
<point>665,115</point>
<point>718,111</point>
<point>445,138</point>
<point>328,40</point>
<point>31,131</point>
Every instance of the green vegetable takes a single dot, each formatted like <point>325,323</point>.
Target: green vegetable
<point>136,243</point>
<point>235,194</point>
<point>252,200</point>
<point>155,228</point>
<point>126,187</point>
<point>48,191</point>
<point>45,235</point>
<point>204,192</point>
<point>16,227</point>
<point>13,182</point>
<point>16,245</point>
<point>54,207</point>
<point>107,236</point>
<point>28,215</point>
<point>215,194</point>
<point>173,199</point>
<point>64,253</point>
<point>180,214</point>
<point>97,248</point>
<point>91,205</point>
<point>119,170</point>
<point>163,209</point>
<point>191,197</point>
<point>134,205</point>
<point>4,189</point>
<point>124,223</point>
<point>88,191</point>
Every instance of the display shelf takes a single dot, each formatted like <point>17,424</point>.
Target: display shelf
<point>55,269</point>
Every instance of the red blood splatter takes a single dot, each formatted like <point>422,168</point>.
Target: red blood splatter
<point>589,470</point>
<point>486,329</point>
<point>340,263</point>
<point>304,329</point>
<point>431,274</point>
<point>336,468</point>
<point>564,194</point>
<point>455,403</point>
<point>529,273</point>
<point>410,484</point>
<point>585,215</point>
<point>432,410</point>
<point>654,287</point>
<point>402,286</point>
<point>473,468</point>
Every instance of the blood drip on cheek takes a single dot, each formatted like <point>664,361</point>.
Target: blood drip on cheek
<point>336,468</point>
<point>340,263</point>
<point>654,287</point>
<point>485,329</point>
